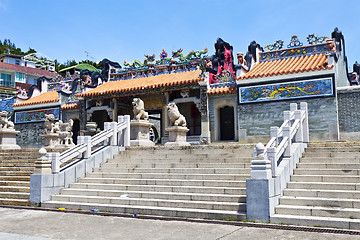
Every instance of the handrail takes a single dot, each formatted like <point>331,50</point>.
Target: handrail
<point>293,129</point>
<point>115,133</point>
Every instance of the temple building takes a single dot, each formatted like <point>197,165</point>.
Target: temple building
<point>222,99</point>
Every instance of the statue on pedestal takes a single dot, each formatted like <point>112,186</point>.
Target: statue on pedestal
<point>177,127</point>
<point>140,125</point>
<point>7,133</point>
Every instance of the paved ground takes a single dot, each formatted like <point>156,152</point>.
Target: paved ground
<point>41,225</point>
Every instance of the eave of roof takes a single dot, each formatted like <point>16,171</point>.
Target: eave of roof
<point>221,90</point>
<point>288,65</point>
<point>158,82</point>
<point>29,70</point>
<point>46,97</point>
<point>70,106</point>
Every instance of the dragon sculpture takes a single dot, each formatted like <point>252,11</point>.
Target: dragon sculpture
<point>191,54</point>
<point>138,64</point>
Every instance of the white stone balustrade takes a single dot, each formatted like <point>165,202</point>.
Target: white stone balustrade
<point>274,164</point>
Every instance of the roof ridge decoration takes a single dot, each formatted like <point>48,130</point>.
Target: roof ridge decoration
<point>294,42</point>
<point>277,45</point>
<point>178,62</point>
<point>313,39</point>
<point>138,64</point>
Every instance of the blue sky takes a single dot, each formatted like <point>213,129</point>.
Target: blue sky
<point>126,30</point>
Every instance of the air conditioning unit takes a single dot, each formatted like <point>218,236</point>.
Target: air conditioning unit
<point>51,68</point>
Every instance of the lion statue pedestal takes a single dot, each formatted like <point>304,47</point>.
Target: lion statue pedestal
<point>7,133</point>
<point>140,133</point>
<point>51,139</point>
<point>140,125</point>
<point>177,129</point>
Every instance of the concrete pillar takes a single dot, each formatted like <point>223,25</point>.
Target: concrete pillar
<point>115,110</point>
<point>42,164</point>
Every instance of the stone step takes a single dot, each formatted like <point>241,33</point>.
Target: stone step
<point>181,159</point>
<point>318,211</point>
<point>178,170</point>
<point>159,188</point>
<point>164,182</point>
<point>333,149</point>
<point>156,195</point>
<point>345,166</point>
<point>15,173</point>
<point>21,169</point>
<point>15,183</point>
<point>14,202</point>
<point>323,185</point>
<point>193,150</point>
<point>331,222</point>
<point>230,177</point>
<point>15,178</point>
<point>25,164</point>
<point>319,171</point>
<point>318,201</point>
<point>150,210</point>
<point>332,154</point>
<point>175,165</point>
<point>322,193</point>
<point>14,189</point>
<point>14,195</point>
<point>343,160</point>
<point>326,178</point>
<point>17,160</point>
<point>152,202</point>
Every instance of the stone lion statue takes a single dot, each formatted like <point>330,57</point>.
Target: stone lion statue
<point>65,133</point>
<point>139,110</point>
<point>176,118</point>
<point>50,125</point>
<point>4,122</point>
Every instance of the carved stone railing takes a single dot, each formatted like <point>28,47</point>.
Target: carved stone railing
<point>89,153</point>
<point>114,133</point>
<point>294,130</point>
<point>274,163</point>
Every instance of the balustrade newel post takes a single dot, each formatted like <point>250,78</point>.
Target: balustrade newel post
<point>299,134</point>
<point>304,107</point>
<point>260,166</point>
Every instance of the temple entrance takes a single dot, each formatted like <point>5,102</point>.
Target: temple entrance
<point>100,117</point>
<point>227,123</point>
<point>75,130</point>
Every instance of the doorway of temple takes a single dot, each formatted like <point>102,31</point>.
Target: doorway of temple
<point>75,130</point>
<point>227,128</point>
<point>100,117</point>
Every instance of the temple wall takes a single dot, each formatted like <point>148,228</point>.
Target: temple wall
<point>30,135</point>
<point>349,113</point>
<point>256,119</point>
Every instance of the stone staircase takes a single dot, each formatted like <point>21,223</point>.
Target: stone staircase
<point>324,190</point>
<point>16,166</point>
<point>191,182</point>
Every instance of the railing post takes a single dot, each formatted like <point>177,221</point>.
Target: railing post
<point>87,141</point>
<point>304,107</point>
<point>55,161</point>
<point>287,117</point>
<point>127,131</point>
<point>271,154</point>
<point>260,166</point>
<point>287,133</point>
<point>80,140</point>
<point>274,133</point>
<point>299,133</point>
<point>42,164</point>
<point>293,107</point>
<point>121,133</point>
<point>114,139</point>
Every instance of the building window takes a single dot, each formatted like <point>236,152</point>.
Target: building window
<point>20,77</point>
<point>17,62</point>
<point>5,80</point>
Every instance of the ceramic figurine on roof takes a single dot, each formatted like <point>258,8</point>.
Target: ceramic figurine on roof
<point>138,64</point>
<point>222,63</point>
